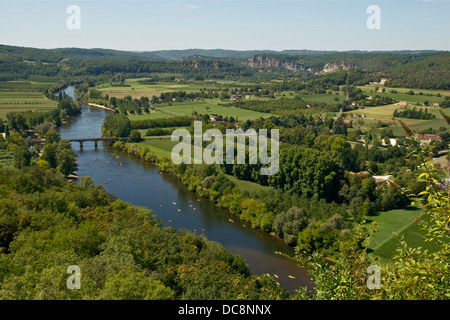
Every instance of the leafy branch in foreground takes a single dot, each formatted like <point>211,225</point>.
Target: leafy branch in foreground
<point>415,273</point>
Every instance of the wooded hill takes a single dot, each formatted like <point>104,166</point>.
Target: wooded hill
<point>425,70</point>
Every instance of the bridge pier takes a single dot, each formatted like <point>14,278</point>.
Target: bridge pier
<point>81,141</point>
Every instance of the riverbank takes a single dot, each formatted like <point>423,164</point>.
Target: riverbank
<point>208,182</point>
<point>141,183</point>
<point>99,106</point>
<point>225,194</point>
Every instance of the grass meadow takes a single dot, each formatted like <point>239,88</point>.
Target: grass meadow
<point>394,225</point>
<point>402,93</point>
<point>137,89</point>
<point>201,107</point>
<point>212,107</point>
<point>162,147</point>
<point>155,115</point>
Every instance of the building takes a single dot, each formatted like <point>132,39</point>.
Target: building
<point>348,123</point>
<point>427,138</point>
<point>392,141</point>
<point>213,118</point>
<point>383,179</point>
<point>364,173</point>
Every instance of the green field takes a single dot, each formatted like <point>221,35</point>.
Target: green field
<point>155,115</point>
<point>6,157</point>
<point>23,96</point>
<point>393,223</point>
<point>211,107</point>
<point>401,95</point>
<point>137,90</point>
<point>384,114</point>
<point>249,186</point>
<point>201,107</point>
<point>162,147</point>
<point>324,97</point>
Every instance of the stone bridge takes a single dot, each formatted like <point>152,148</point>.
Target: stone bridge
<point>83,140</point>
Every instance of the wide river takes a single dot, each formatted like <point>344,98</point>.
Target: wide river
<point>141,183</point>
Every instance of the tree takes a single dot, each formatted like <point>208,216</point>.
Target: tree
<point>116,125</point>
<point>415,273</point>
<point>66,161</point>
<point>288,224</point>
<point>59,155</point>
<point>49,154</point>
<point>16,121</point>
<point>22,157</point>
<point>52,136</point>
<point>308,172</point>
<point>131,284</point>
<point>45,127</point>
<point>255,212</point>
<point>135,136</point>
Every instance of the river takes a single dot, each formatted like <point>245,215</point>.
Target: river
<point>142,184</point>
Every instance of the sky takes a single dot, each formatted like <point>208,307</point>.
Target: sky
<point>148,25</point>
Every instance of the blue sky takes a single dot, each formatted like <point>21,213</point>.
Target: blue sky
<point>145,25</point>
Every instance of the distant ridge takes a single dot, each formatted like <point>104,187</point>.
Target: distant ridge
<point>426,69</point>
<point>161,55</point>
<point>242,54</point>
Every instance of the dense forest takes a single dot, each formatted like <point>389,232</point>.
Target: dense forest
<point>320,228</point>
<point>405,69</point>
<point>48,224</point>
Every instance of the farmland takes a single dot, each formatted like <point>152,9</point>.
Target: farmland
<point>137,89</point>
<point>23,96</point>
<point>154,115</point>
<point>394,225</point>
<point>368,117</point>
<point>212,107</point>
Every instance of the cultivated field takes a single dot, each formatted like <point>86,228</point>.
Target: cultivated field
<point>394,225</point>
<point>154,115</point>
<point>23,96</point>
<point>402,93</point>
<point>212,107</point>
<point>384,113</point>
<point>136,89</point>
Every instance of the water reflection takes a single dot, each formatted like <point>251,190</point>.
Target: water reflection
<point>142,184</point>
